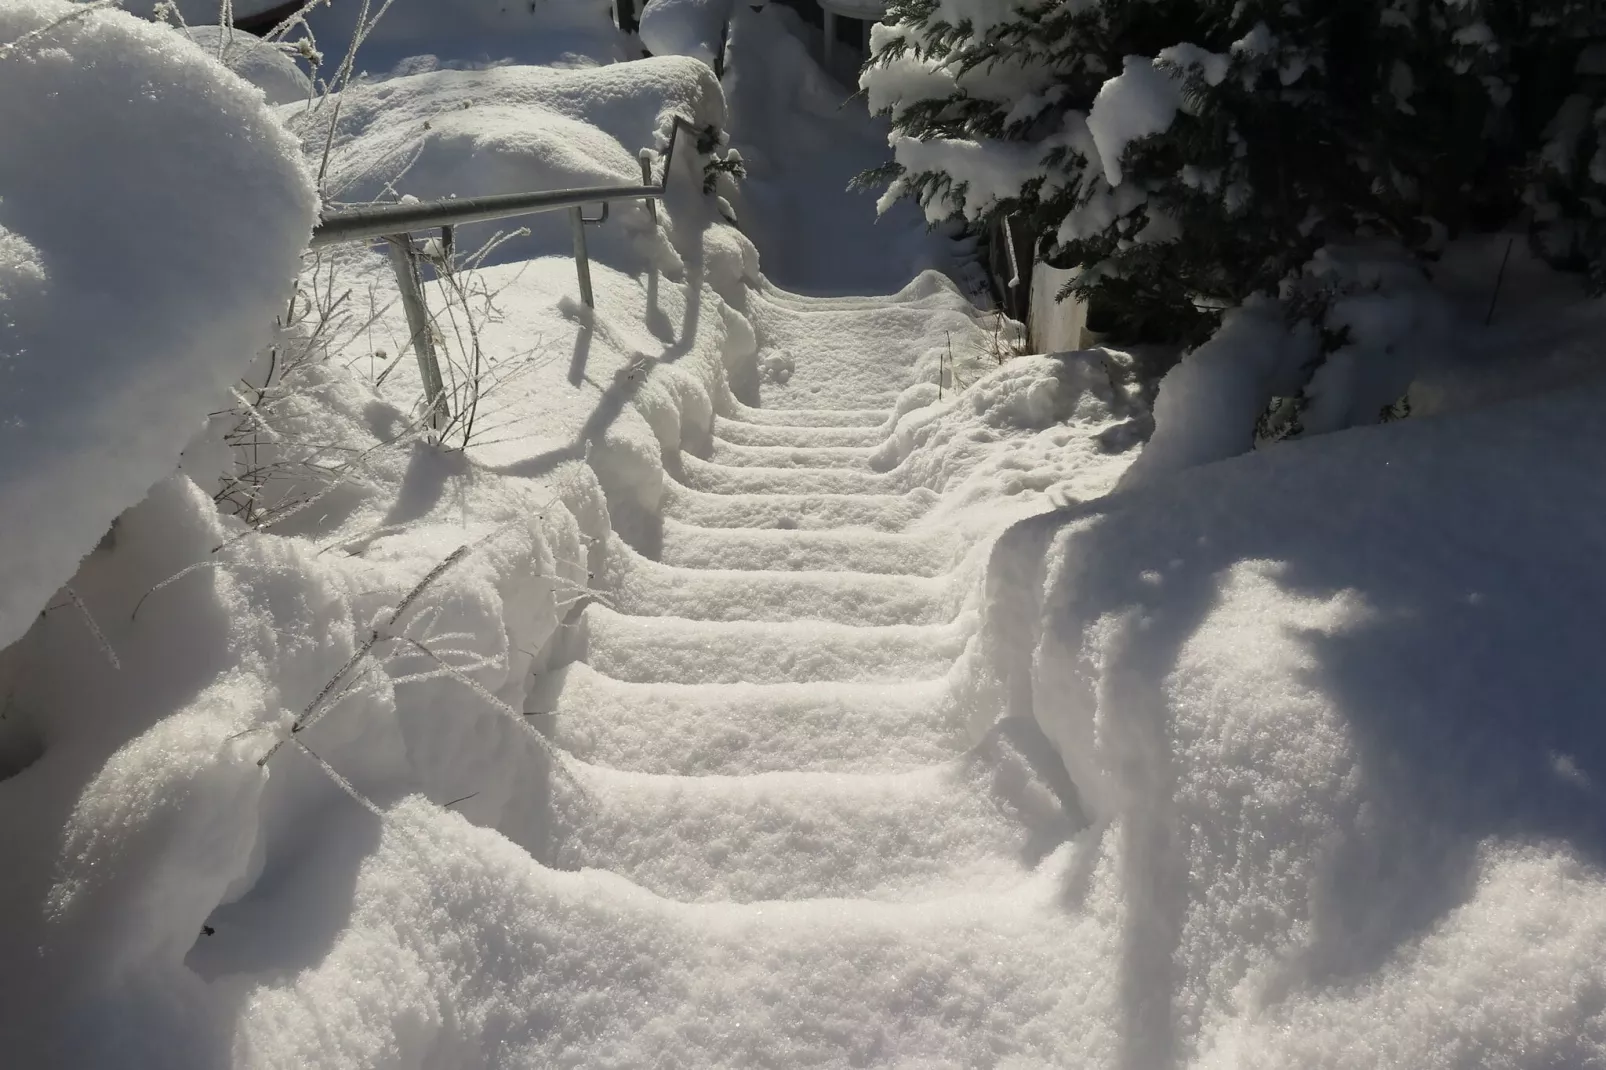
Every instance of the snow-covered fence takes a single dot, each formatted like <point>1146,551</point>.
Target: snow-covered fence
<point>395,224</point>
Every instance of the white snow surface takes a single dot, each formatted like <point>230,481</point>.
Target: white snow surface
<point>152,215</point>
<point>1334,717</point>
<point>780,680</point>
<point>1139,102</point>
<point>416,35</point>
<point>802,142</point>
<point>685,27</point>
<point>267,66</point>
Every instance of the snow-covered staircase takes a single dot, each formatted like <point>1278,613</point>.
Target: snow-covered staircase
<point>764,715</point>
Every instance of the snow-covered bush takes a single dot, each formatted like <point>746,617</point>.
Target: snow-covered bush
<point>1185,155</point>
<point>152,216</point>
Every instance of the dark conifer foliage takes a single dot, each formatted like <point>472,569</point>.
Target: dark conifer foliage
<point>1185,154</point>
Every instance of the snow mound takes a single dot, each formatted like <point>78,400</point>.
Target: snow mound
<point>264,65</point>
<point>1339,724</point>
<point>1034,433</point>
<point>692,28</point>
<point>1390,325</point>
<point>469,133</point>
<point>122,326</point>
<point>423,34</point>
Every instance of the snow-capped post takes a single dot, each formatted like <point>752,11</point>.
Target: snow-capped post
<point>404,260</point>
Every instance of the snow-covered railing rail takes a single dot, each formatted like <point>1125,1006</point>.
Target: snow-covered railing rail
<point>1009,250</point>
<point>396,223</point>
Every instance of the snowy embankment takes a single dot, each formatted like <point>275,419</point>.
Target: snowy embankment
<point>120,328</point>
<point>1333,709</point>
<point>693,701</point>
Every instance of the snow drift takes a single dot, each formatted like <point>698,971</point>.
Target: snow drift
<point>266,65</point>
<point>152,214</point>
<point>1333,710</point>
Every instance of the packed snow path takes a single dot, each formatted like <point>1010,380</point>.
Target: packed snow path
<point>763,716</point>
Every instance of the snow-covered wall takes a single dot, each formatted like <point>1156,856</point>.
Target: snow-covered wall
<point>152,217</point>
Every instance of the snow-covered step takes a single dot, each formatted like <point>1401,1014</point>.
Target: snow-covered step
<point>688,546</point>
<point>717,478</point>
<point>610,975</point>
<point>635,585</point>
<point>878,512</point>
<point>738,455</point>
<point>788,835</point>
<point>859,356</point>
<point>930,289</point>
<point>746,434</point>
<point>805,417</point>
<point>706,729</point>
<point>676,650</point>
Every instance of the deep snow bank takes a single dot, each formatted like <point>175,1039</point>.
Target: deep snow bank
<point>1335,711</point>
<point>152,214</point>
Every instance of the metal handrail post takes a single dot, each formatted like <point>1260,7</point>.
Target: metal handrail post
<point>1009,249</point>
<point>645,159</point>
<point>582,262</point>
<point>404,260</point>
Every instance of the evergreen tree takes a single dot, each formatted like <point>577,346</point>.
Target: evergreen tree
<point>1185,154</point>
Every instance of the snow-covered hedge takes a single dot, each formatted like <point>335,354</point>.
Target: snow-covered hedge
<point>152,216</point>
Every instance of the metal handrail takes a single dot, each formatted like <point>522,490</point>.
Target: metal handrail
<point>384,220</point>
<point>395,223</point>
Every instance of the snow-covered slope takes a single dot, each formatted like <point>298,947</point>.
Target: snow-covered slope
<point>1334,709</point>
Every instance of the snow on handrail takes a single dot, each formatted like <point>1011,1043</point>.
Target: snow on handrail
<point>1009,248</point>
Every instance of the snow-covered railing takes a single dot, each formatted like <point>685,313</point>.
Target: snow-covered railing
<point>1009,249</point>
<point>396,224</point>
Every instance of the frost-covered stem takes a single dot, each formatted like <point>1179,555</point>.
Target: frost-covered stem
<point>314,709</point>
<point>94,629</point>
<point>340,781</point>
<point>365,26</point>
